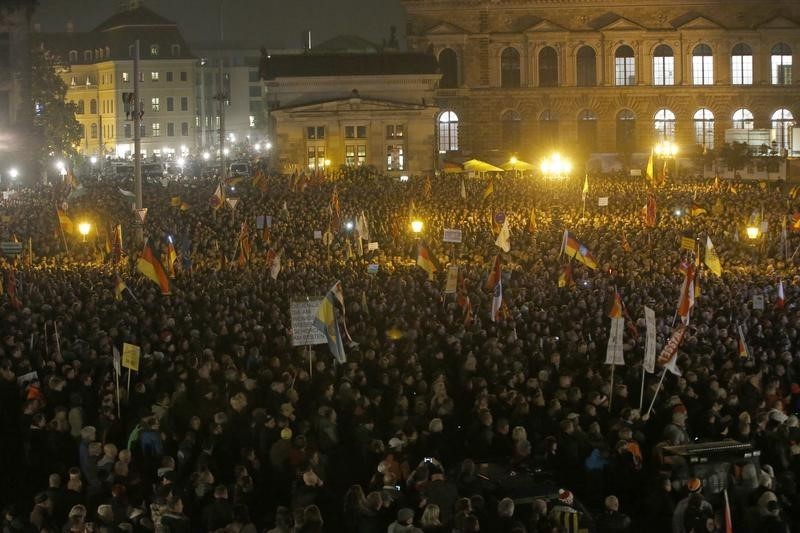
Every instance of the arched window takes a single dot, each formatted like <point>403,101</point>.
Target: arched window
<point>448,132</point>
<point>92,107</point>
<point>175,49</point>
<point>742,65</point>
<point>587,131</point>
<point>548,127</point>
<point>664,124</point>
<point>87,56</point>
<point>781,64</point>
<point>511,126</point>
<point>743,119</point>
<point>81,109</point>
<point>702,65</point>
<point>704,128</point>
<point>73,56</point>
<point>663,65</point>
<point>154,50</point>
<point>626,131</point>
<point>624,66</point>
<point>587,67</point>
<point>509,68</point>
<point>108,52</point>
<point>782,121</point>
<point>448,66</point>
<point>548,67</point>
<point>93,130</point>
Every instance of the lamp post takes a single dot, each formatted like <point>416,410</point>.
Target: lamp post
<point>666,150</point>
<point>753,233</point>
<point>416,226</point>
<point>84,228</point>
<point>556,167</point>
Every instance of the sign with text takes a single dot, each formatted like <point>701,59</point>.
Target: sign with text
<point>372,246</point>
<point>11,248</point>
<point>317,234</point>
<point>602,201</point>
<point>372,269</point>
<point>452,280</point>
<point>130,356</point>
<point>303,331</point>
<point>452,235</point>
<point>758,302</point>
<point>260,222</point>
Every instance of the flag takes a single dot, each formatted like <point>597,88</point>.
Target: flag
<point>150,267</point>
<point>496,221</point>
<point>795,222</point>
<point>218,198</point>
<point>565,278</point>
<point>172,256</point>
<point>274,264</point>
<point>650,340</point>
<point>497,295</point>
<point>335,210</point>
<point>744,351</point>
<point>259,181</point>
<point>494,274</point>
<point>696,210</point>
<point>616,307</point>
<point>127,194</point>
<point>585,190</point>
<point>719,208</point>
<point>119,287</point>
<point>362,227</point>
<point>184,206</point>
<point>503,240</point>
<point>11,290</point>
<point>650,211</point>
<point>648,173</point>
<point>463,300</point>
<point>116,244</point>
<point>532,221</point>
<point>727,513</point>
<point>425,259</point>
<point>463,190</point>
<point>686,299</point>
<point>712,259</point>
<point>668,359</point>
<point>626,246</point>
<point>489,190</point>
<point>780,300</point>
<point>687,243</point>
<point>66,223</point>
<point>325,321</point>
<point>573,248</point>
<point>117,360</point>
<point>244,245</point>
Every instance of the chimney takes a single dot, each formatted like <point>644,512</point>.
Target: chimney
<point>70,27</point>
<point>307,41</point>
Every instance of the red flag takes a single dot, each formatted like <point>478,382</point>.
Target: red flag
<point>728,521</point>
<point>494,274</point>
<point>616,307</point>
<point>650,211</point>
<point>686,300</point>
<point>463,300</point>
<point>781,299</point>
<point>11,289</point>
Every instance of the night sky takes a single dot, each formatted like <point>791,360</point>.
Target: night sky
<point>273,23</point>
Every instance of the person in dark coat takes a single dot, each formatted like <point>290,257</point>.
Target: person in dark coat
<point>611,520</point>
<point>218,513</point>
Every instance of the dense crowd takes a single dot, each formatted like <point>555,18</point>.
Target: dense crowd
<point>438,420</point>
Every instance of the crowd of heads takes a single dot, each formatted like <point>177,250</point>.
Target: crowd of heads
<point>438,420</point>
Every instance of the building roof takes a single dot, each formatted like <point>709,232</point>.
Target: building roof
<point>346,43</point>
<point>313,65</point>
<point>116,34</point>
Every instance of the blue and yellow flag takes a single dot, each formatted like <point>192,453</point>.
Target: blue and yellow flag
<point>325,321</point>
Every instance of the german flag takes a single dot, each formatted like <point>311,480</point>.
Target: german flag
<point>574,249</point>
<point>425,259</point>
<point>151,268</point>
<point>565,278</point>
<point>489,190</point>
<point>696,210</point>
<point>616,307</point>
<point>66,223</point>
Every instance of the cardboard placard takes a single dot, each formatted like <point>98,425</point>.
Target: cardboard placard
<point>372,246</point>
<point>758,302</point>
<point>602,201</point>
<point>452,235</point>
<point>303,313</point>
<point>317,234</point>
<point>372,269</point>
<point>452,280</point>
<point>130,356</point>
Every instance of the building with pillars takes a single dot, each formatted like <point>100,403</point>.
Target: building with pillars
<point>97,67</point>
<point>373,109</point>
<point>606,77</point>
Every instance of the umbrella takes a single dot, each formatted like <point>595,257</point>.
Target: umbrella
<point>476,165</point>
<point>517,165</point>
<point>451,168</point>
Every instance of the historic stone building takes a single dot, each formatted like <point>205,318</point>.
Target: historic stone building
<point>97,67</point>
<point>610,77</point>
<point>372,109</point>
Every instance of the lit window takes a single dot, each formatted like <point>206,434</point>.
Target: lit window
<point>125,78</point>
<point>252,121</point>
<point>394,131</point>
<point>664,124</point>
<point>154,50</point>
<point>155,103</point>
<point>742,65</point>
<point>154,76</point>
<point>743,119</point>
<point>448,132</point>
<point>781,64</point>
<point>702,65</point>
<point>93,129</point>
<point>704,128</point>
<point>156,129</point>
<point>395,159</point>
<point>624,66</point>
<point>782,122</point>
<point>663,66</point>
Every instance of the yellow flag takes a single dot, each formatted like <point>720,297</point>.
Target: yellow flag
<point>712,259</point>
<point>648,173</point>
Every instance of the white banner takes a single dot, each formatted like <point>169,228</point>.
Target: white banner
<point>602,201</point>
<point>452,280</point>
<point>650,340</point>
<point>614,349</point>
<point>302,315</point>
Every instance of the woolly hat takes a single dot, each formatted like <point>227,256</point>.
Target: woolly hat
<point>565,496</point>
<point>694,484</point>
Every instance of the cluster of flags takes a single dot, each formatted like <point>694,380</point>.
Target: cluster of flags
<point>574,249</point>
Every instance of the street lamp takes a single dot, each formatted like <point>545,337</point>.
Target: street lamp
<point>206,156</point>
<point>556,166</point>
<point>61,167</point>
<point>666,149</point>
<point>93,160</point>
<point>84,228</point>
<point>416,226</point>
<point>753,232</point>
<point>13,173</point>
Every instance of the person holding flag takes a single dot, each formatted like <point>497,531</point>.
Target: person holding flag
<point>495,283</point>
<point>326,322</point>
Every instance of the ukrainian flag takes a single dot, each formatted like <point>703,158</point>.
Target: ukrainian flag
<point>325,321</point>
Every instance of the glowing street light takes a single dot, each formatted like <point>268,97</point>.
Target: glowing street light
<point>416,226</point>
<point>257,147</point>
<point>84,228</point>
<point>348,226</point>
<point>206,156</point>
<point>226,151</point>
<point>61,167</point>
<point>327,162</point>
<point>556,166</point>
<point>13,173</point>
<point>268,146</point>
<point>181,162</point>
<point>666,149</point>
<point>93,160</point>
<point>752,232</point>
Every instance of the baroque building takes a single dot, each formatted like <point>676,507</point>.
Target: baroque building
<point>97,67</point>
<point>610,78</point>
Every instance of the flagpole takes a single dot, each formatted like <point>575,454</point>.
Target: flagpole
<point>660,382</point>
<point>611,393</point>
<point>116,379</point>
<point>61,229</point>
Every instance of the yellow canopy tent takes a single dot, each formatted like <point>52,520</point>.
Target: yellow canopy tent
<point>475,165</point>
<point>517,165</point>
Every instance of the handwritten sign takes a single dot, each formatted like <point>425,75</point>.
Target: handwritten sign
<point>130,356</point>
<point>452,280</point>
<point>372,246</point>
<point>318,234</point>
<point>452,235</point>
<point>602,201</point>
<point>303,331</point>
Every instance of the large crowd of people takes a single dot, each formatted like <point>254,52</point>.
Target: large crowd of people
<point>440,419</point>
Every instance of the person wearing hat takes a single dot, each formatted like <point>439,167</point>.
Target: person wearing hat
<point>404,522</point>
<point>566,515</point>
<point>692,508</point>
